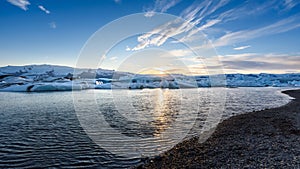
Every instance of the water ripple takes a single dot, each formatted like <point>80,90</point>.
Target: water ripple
<point>41,130</point>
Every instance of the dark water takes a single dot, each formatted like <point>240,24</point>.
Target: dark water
<point>42,130</point>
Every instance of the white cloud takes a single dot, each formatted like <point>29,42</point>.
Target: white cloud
<point>161,6</point>
<point>239,63</point>
<point>113,58</point>
<point>185,28</point>
<point>149,13</point>
<point>44,9</point>
<point>260,62</point>
<point>52,25</point>
<point>289,4</point>
<point>241,47</point>
<point>160,35</point>
<point>164,5</point>
<point>204,15</point>
<point>128,48</point>
<point>141,45</point>
<point>275,28</point>
<point>223,17</point>
<point>288,59</point>
<point>180,52</point>
<point>240,56</point>
<point>20,3</point>
<point>196,12</point>
<point>209,24</point>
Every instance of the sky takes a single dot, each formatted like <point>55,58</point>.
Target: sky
<point>251,36</point>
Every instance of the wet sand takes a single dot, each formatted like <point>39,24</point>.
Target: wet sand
<point>261,139</point>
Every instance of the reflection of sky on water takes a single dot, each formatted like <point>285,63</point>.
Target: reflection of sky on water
<point>152,113</point>
<point>151,121</point>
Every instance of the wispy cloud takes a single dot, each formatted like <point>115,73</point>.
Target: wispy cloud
<point>206,24</point>
<point>259,62</point>
<point>113,58</point>
<point>20,3</point>
<point>44,9</point>
<point>289,4</point>
<point>196,13</point>
<point>241,47</point>
<point>192,16</point>
<point>128,48</point>
<point>240,56</point>
<point>180,53</point>
<point>52,25</point>
<point>264,57</point>
<point>207,15</point>
<point>161,6</point>
<point>160,35</point>
<point>245,63</point>
<point>190,35</point>
<point>281,26</point>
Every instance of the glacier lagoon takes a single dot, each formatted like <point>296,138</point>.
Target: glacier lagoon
<point>45,129</point>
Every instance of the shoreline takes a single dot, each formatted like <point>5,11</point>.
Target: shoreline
<point>261,139</point>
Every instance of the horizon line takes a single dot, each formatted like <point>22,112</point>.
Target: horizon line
<point>69,66</point>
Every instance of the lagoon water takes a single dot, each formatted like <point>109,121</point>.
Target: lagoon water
<point>98,128</point>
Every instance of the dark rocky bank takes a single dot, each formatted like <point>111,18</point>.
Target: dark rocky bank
<point>261,139</point>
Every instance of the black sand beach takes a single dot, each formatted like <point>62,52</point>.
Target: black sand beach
<point>261,139</point>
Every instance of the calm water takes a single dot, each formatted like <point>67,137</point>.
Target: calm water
<point>101,128</point>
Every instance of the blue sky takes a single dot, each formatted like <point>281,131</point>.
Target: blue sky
<point>248,36</point>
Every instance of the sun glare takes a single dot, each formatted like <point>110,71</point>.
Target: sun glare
<point>153,72</point>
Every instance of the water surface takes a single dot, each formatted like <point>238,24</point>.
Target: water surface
<point>43,130</point>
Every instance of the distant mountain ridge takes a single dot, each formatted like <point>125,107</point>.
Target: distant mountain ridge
<point>63,70</point>
<point>56,69</point>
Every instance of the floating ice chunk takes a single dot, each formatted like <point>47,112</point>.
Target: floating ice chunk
<point>17,88</point>
<point>55,87</point>
<point>103,86</point>
<point>44,87</point>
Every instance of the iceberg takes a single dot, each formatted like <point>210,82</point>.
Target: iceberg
<point>40,78</point>
<point>43,87</point>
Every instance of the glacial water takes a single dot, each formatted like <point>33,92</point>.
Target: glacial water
<point>113,129</point>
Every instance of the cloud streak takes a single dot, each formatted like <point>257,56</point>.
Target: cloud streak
<point>192,16</point>
<point>42,8</point>
<point>260,57</point>
<point>246,63</point>
<point>281,26</point>
<point>161,6</point>
<point>241,47</point>
<point>207,15</point>
<point>20,3</point>
<point>289,4</point>
<point>256,62</point>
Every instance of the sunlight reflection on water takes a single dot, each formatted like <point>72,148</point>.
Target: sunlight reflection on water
<point>42,129</point>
